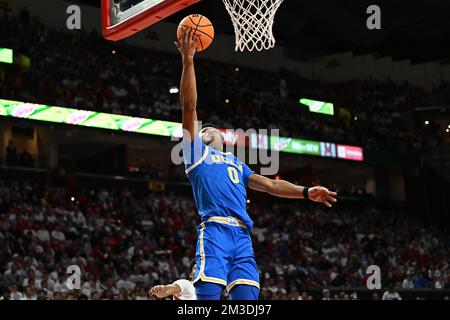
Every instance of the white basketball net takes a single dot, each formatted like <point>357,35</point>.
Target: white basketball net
<point>253,22</point>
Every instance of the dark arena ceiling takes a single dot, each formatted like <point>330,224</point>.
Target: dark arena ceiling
<point>414,30</point>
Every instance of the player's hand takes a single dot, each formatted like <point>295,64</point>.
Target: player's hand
<point>187,45</point>
<point>322,195</point>
<point>158,291</point>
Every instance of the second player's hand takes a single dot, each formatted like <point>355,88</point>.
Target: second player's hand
<point>322,195</point>
<point>187,45</point>
<point>158,291</point>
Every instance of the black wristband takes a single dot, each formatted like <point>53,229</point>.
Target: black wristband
<point>306,193</point>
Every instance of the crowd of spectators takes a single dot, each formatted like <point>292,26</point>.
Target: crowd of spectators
<point>84,71</point>
<point>124,243</point>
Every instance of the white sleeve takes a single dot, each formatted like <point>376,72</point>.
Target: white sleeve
<point>187,290</point>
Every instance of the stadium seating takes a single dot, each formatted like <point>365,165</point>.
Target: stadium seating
<point>96,75</point>
<point>126,243</point>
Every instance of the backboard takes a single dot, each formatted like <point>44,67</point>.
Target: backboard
<point>123,18</point>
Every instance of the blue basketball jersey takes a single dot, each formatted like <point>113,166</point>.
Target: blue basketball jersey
<point>218,180</point>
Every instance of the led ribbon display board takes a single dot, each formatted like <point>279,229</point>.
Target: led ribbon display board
<point>6,55</point>
<point>291,145</point>
<point>116,122</point>
<point>89,118</point>
<point>318,106</point>
<point>350,153</point>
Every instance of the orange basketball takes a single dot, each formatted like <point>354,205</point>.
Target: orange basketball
<point>203,28</point>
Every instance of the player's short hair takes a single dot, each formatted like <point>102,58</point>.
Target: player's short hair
<point>209,125</point>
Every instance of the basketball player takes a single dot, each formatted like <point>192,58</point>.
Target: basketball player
<point>224,255</point>
<point>182,289</point>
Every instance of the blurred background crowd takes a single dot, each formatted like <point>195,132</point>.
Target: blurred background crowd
<point>125,243</point>
<point>94,74</point>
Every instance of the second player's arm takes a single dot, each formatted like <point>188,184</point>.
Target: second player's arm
<point>165,291</point>
<point>285,189</point>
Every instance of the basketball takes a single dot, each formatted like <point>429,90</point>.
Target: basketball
<point>203,28</point>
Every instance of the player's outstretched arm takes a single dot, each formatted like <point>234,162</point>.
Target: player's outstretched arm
<point>188,87</point>
<point>285,189</point>
<point>165,291</point>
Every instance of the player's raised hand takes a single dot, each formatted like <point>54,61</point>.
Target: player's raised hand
<point>323,195</point>
<point>158,291</point>
<point>187,44</point>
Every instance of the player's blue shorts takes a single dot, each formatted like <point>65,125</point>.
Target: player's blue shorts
<point>225,254</point>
